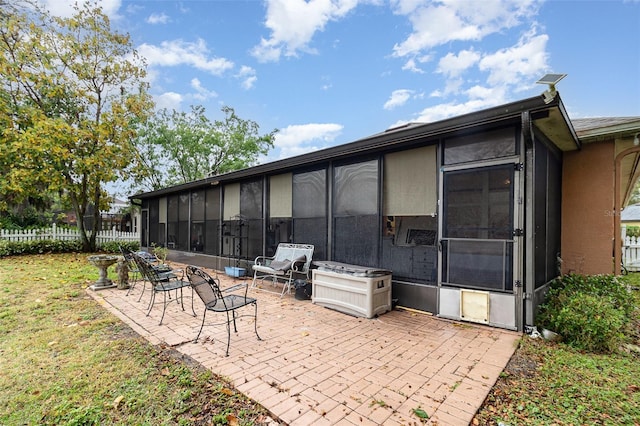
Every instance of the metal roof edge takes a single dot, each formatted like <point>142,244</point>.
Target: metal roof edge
<point>377,141</point>
<point>567,120</point>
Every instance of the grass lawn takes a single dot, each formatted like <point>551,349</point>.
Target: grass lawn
<point>553,384</point>
<point>65,361</point>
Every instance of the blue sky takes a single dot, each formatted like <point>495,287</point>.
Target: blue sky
<point>328,72</point>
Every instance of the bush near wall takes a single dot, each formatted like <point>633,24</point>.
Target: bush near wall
<point>592,313</point>
<point>12,248</point>
<point>633,231</point>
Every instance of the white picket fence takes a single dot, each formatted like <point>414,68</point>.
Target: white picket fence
<point>66,234</point>
<point>631,253</point>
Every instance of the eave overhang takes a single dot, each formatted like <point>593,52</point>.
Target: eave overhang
<point>549,118</point>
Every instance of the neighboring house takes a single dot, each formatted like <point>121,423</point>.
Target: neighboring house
<point>630,215</point>
<point>118,217</point>
<point>474,215</point>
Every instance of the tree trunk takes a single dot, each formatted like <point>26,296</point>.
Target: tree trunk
<point>80,210</point>
<point>96,217</point>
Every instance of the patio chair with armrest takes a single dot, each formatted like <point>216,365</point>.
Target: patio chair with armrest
<point>162,282</point>
<point>289,261</point>
<point>208,289</point>
<point>135,270</point>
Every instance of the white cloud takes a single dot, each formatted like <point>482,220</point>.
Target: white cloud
<point>298,139</point>
<point>169,100</point>
<point>248,77</point>
<point>453,65</point>
<point>64,8</point>
<point>448,110</point>
<point>519,64</point>
<point>398,98</point>
<point>438,23</point>
<point>410,65</point>
<point>178,52</point>
<point>202,93</point>
<point>158,18</point>
<point>293,24</point>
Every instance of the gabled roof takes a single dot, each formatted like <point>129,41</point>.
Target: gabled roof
<point>631,213</point>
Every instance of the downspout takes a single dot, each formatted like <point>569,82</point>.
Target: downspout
<point>528,285</point>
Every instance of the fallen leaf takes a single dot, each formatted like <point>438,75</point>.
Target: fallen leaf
<point>232,419</point>
<point>117,401</point>
<point>227,391</point>
<point>165,371</point>
<point>419,412</point>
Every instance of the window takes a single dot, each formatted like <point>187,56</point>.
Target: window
<point>480,146</point>
<point>310,210</point>
<point>356,230</point>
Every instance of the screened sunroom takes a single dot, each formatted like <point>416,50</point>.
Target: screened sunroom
<point>464,212</point>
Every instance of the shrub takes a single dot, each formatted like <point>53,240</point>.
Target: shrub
<point>114,246</point>
<point>591,313</point>
<point>11,248</point>
<point>633,231</point>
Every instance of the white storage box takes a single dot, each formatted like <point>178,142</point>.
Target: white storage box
<point>361,296</point>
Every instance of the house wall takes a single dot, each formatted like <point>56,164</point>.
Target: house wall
<point>587,209</point>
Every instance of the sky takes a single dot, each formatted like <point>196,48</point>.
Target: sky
<point>329,72</point>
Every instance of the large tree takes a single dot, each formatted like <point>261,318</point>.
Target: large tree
<point>179,147</point>
<point>71,94</point>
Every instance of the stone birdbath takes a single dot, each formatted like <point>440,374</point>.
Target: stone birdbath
<point>102,262</point>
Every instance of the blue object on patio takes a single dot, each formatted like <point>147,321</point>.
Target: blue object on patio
<point>234,271</point>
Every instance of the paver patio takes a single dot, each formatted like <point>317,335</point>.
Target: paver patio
<point>316,366</point>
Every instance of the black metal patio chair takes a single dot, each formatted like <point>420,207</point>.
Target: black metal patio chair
<point>137,274</point>
<point>208,289</point>
<point>134,271</point>
<point>165,283</point>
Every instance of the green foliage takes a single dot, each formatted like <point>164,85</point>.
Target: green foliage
<point>72,89</point>
<point>13,248</point>
<point>67,361</point>
<point>114,246</point>
<point>25,218</point>
<point>160,252</point>
<point>633,231</point>
<point>69,415</point>
<point>180,147</point>
<point>590,312</point>
<point>550,384</point>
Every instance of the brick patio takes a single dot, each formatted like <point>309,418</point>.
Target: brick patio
<point>322,367</point>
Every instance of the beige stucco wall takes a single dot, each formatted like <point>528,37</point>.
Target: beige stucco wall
<point>587,209</point>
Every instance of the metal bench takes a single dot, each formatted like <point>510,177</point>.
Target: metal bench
<point>289,261</point>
